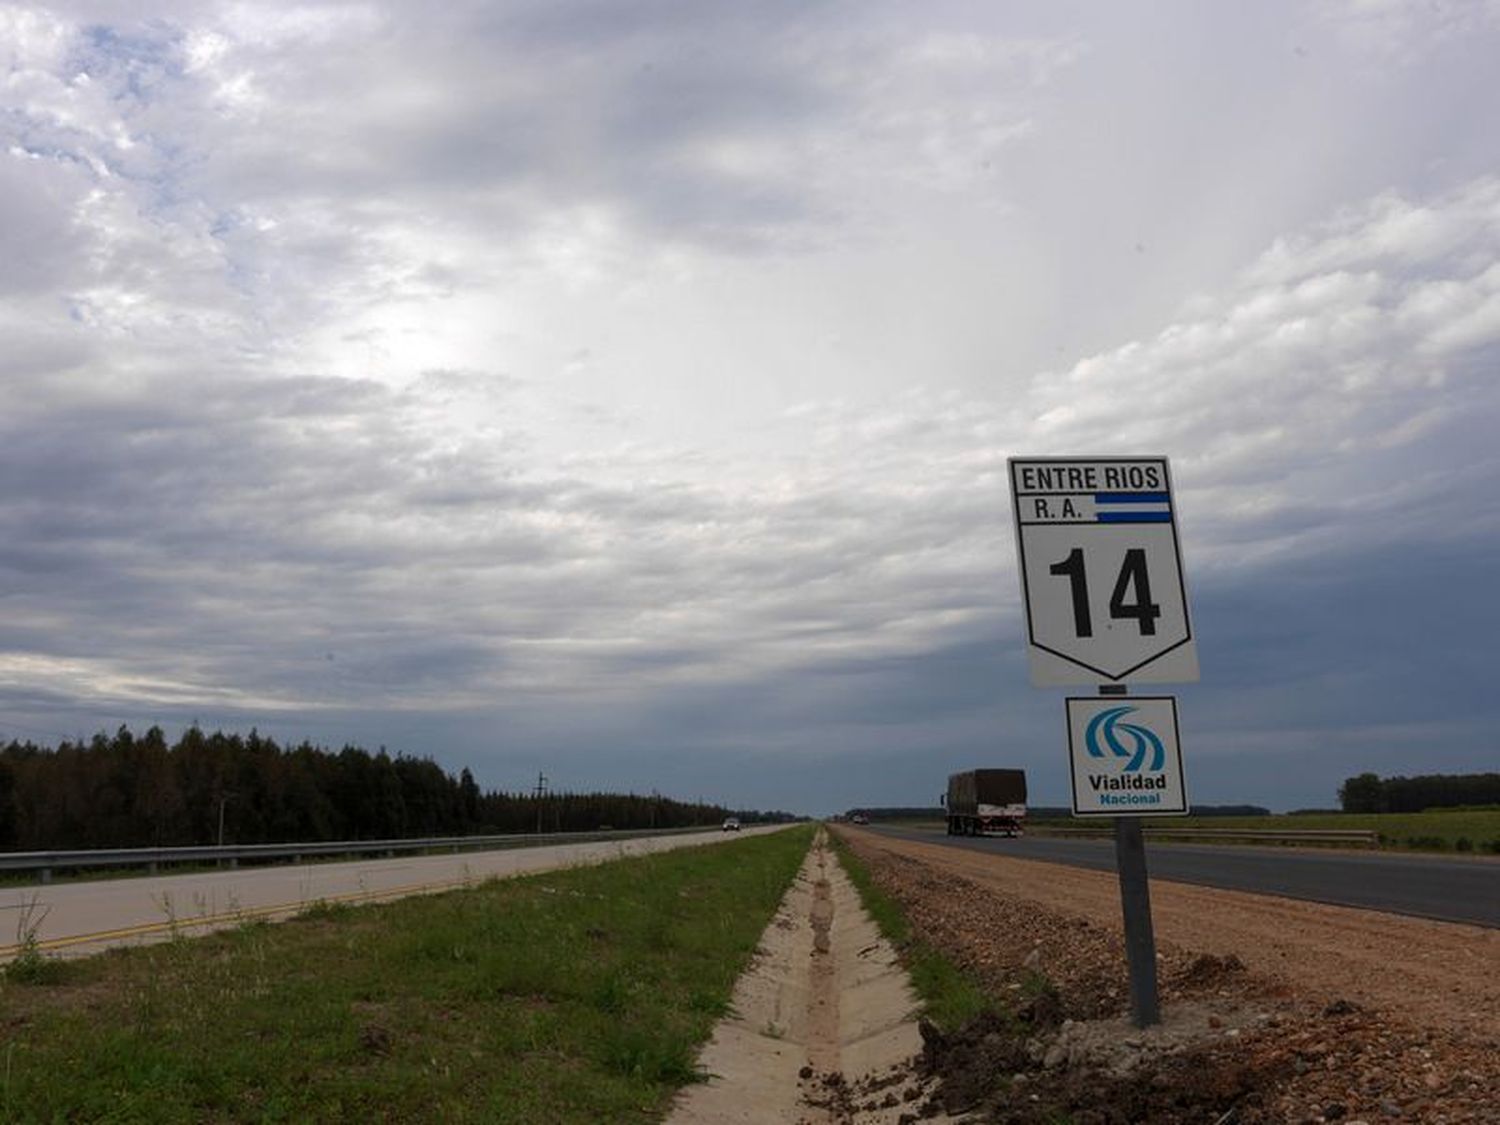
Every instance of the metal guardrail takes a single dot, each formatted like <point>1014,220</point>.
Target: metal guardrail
<point>232,854</point>
<point>1362,836</point>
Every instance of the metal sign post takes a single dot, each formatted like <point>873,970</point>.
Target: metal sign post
<point>1106,604</point>
<point>1140,939</point>
<point>1135,903</point>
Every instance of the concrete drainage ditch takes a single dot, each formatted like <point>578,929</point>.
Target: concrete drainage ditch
<point>823,1024</point>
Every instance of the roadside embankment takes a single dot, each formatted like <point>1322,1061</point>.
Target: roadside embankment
<point>1274,1011</point>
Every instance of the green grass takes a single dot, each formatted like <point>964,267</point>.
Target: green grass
<point>949,997</point>
<point>574,996</point>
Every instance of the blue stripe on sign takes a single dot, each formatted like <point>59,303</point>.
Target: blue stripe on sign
<point>1131,498</point>
<point>1134,517</point>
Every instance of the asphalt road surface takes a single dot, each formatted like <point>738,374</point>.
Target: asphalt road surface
<point>1424,886</point>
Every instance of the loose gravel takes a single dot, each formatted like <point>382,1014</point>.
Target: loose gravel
<point>1272,1012</point>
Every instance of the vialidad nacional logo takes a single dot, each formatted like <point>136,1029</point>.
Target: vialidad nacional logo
<point>1126,759</point>
<point>1141,747</point>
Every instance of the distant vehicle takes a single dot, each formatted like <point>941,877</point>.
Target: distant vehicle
<point>981,802</point>
<point>732,824</point>
<point>859,818</point>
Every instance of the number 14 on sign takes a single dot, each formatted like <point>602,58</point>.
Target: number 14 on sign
<point>1134,575</point>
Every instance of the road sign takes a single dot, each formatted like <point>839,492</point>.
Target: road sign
<point>1125,756</point>
<point>1101,571</point>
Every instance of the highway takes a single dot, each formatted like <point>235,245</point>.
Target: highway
<point>1447,889</point>
<point>86,916</point>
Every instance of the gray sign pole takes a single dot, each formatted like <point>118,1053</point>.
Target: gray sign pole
<point>1135,900</point>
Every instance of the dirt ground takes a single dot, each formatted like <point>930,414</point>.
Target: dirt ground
<point>1273,1010</point>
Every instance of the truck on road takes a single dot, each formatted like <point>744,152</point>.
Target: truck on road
<point>981,802</point>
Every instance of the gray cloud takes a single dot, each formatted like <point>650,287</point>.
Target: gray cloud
<point>325,412</point>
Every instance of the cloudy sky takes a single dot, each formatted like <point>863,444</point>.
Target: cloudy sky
<point>623,389</point>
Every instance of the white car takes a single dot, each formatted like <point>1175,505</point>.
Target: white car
<point>732,824</point>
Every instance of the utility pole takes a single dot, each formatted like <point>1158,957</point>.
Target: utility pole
<point>224,796</point>
<point>539,793</point>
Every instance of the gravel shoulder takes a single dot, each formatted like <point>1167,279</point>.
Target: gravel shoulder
<point>1431,972</point>
<point>1276,1010</point>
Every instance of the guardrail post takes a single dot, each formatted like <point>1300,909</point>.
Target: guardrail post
<point>46,875</point>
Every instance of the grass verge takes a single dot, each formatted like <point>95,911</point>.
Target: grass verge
<point>570,996</point>
<point>950,998</point>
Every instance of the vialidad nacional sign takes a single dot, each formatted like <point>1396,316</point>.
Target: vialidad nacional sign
<point>1126,757</point>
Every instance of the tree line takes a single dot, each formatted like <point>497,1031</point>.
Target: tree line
<point>1369,793</point>
<point>130,790</point>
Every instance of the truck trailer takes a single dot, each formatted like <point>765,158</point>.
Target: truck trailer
<point>987,801</point>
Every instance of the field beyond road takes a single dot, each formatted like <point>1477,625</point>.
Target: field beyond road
<point>570,996</point>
